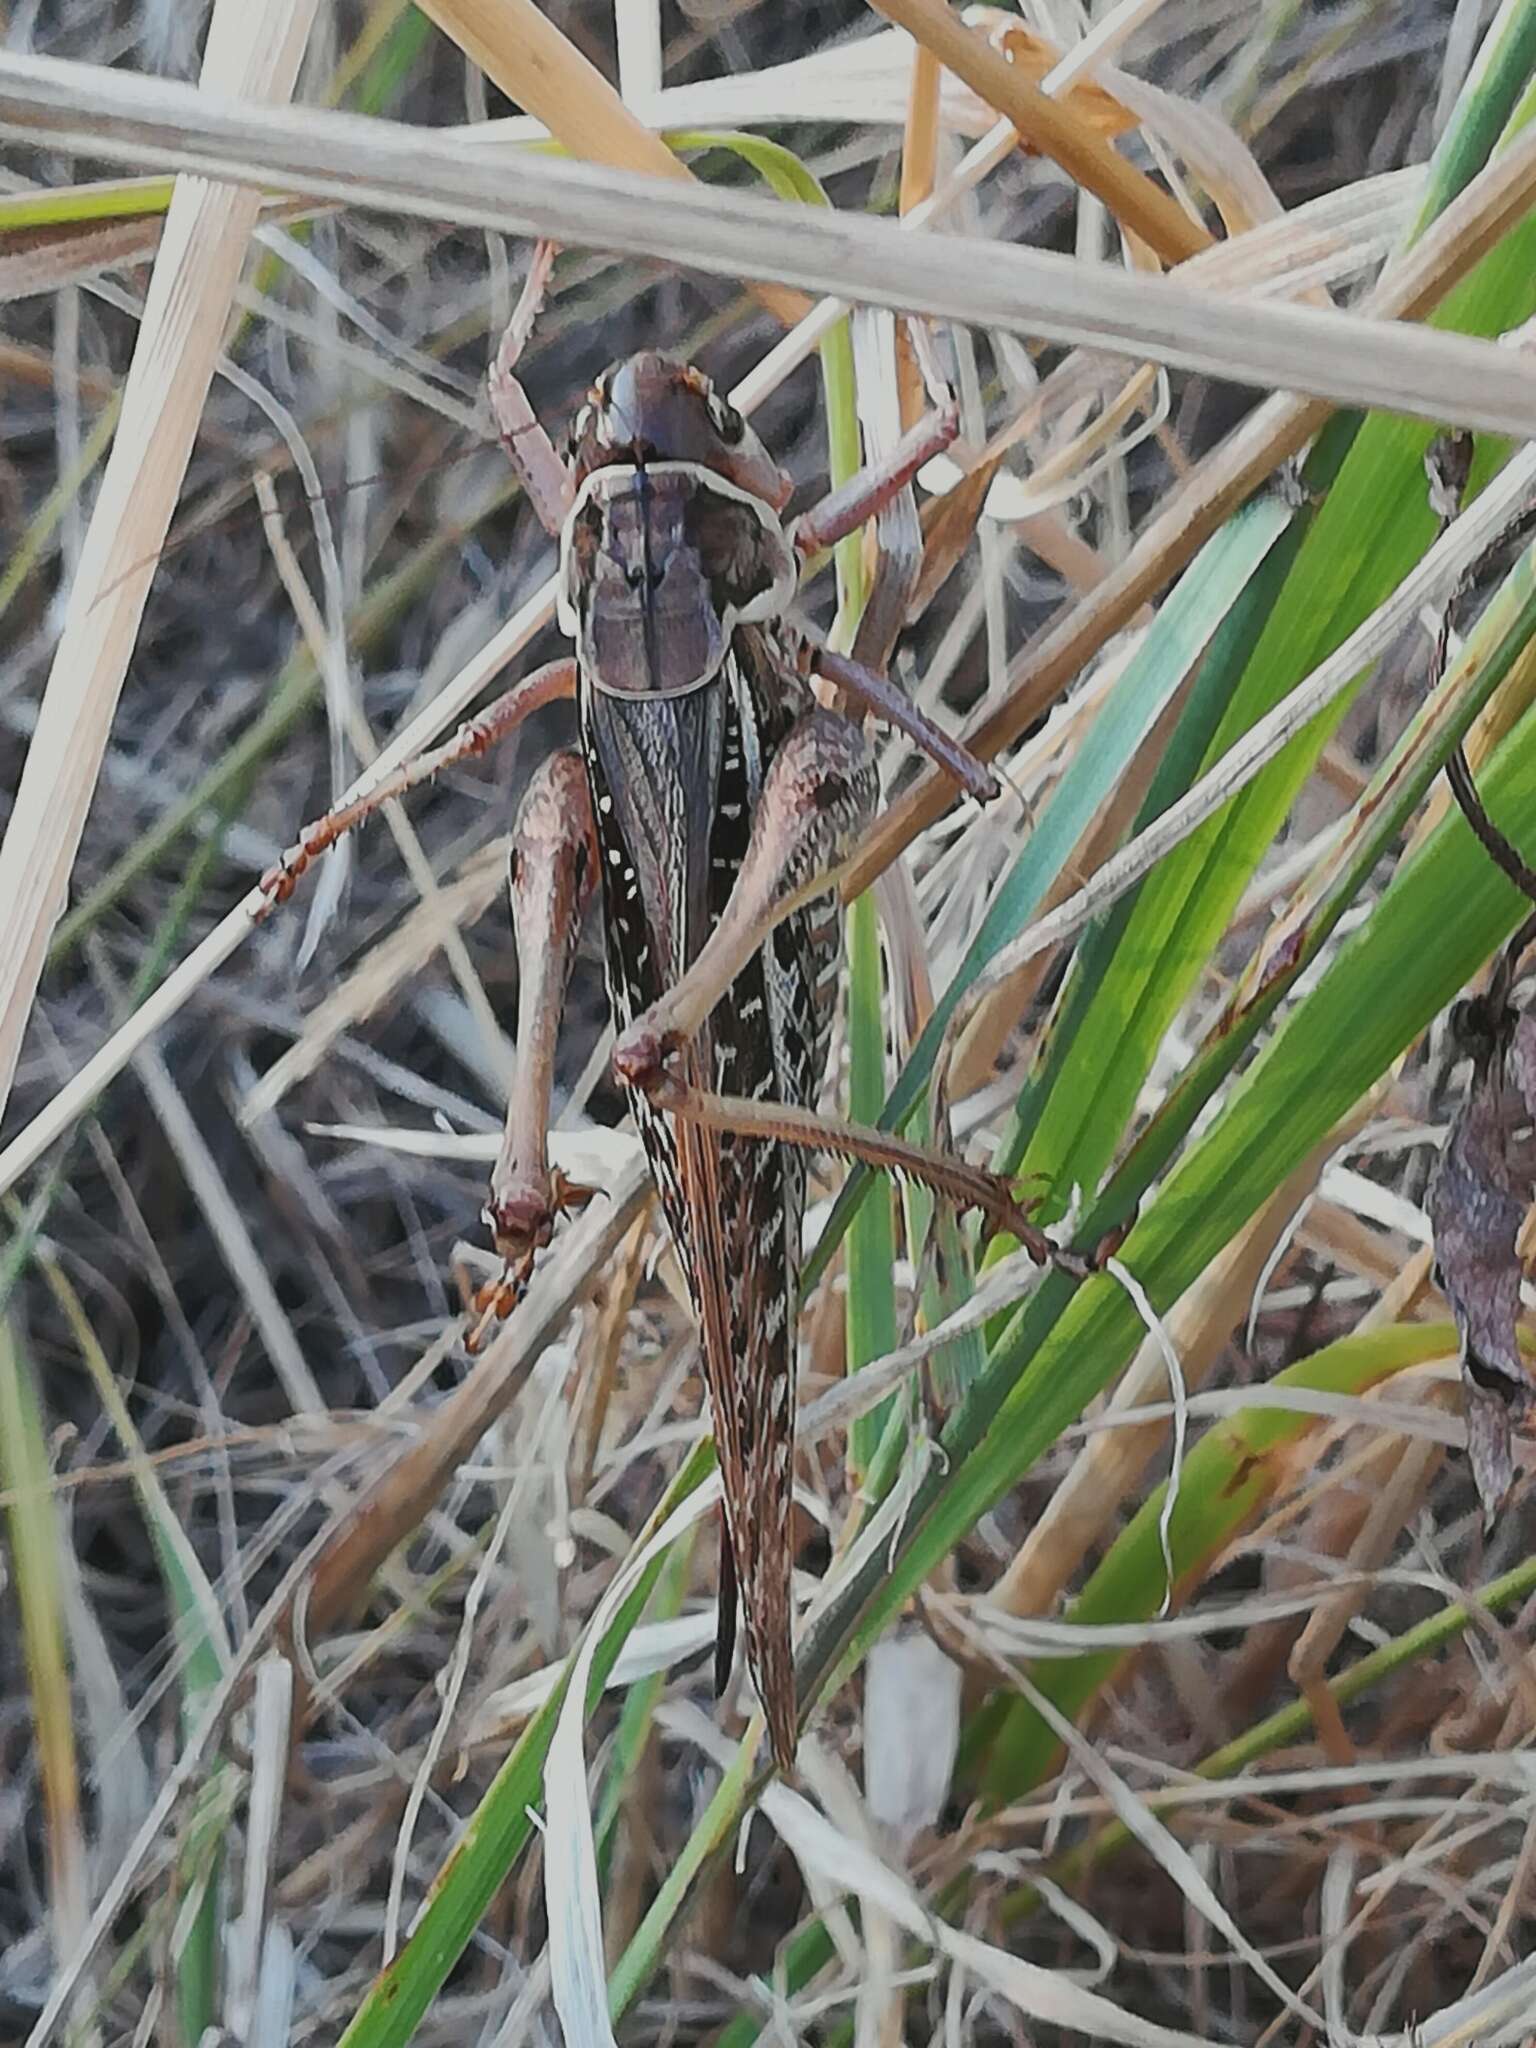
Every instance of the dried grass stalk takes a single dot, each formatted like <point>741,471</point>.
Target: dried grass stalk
<point>253,53</point>
<point>540,68</point>
<point>1339,357</point>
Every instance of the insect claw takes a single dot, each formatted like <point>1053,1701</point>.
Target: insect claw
<point>567,1196</point>
<point>277,885</point>
<point>493,1302</point>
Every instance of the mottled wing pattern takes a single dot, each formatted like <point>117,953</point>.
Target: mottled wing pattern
<point>735,1207</point>
<point>768,1042</point>
<point>654,878</point>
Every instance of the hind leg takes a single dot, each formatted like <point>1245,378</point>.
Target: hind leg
<point>551,876</point>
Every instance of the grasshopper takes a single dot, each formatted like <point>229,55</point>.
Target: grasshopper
<point>708,797</point>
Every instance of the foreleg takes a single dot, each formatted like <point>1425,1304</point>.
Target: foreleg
<point>541,471</point>
<point>869,489</point>
<point>477,736</point>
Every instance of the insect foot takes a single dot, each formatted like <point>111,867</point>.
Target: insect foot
<point>282,878</point>
<point>522,1221</point>
<point>493,1303</point>
<point>523,1218</point>
<point>285,874</point>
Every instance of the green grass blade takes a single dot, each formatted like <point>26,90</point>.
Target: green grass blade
<point>377,68</point>
<point>35,1538</point>
<point>499,1829</point>
<point>1487,103</point>
<point>1499,640</point>
<point>1069,1342</point>
<point>1172,645</point>
<point>1188,748</point>
<point>203,1653</point>
<point>33,543</point>
<point>712,1832</point>
<point>1226,1479</point>
<point>67,206</point>
<point>870,1313</point>
<point>640,1702</point>
<point>1373,525</point>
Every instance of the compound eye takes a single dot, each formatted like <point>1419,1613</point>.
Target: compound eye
<point>726,420</point>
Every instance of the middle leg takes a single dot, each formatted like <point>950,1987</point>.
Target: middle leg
<point>818,793</point>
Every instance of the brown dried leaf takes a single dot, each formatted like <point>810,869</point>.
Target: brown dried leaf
<point>949,523</point>
<point>1477,1203</point>
<point>1037,56</point>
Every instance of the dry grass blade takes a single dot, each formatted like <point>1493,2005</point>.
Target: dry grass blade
<point>270,1736</point>
<point>243,1256</point>
<point>1275,431</point>
<point>1015,290</point>
<point>36,1531</point>
<point>1057,130</point>
<point>867,80</point>
<point>1435,576</point>
<point>1108,1467</point>
<point>1035,1993</point>
<point>402,1492</point>
<point>252,52</point>
<point>517,45</point>
<point>148,1850</point>
<point>429,1544</point>
<point>232,931</point>
<point>388,968</point>
<point>577,1963</point>
<point>43,259</point>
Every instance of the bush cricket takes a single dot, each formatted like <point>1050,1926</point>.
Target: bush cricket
<point>708,797</point>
